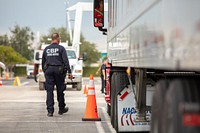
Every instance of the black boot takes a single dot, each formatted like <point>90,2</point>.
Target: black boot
<point>62,111</point>
<point>50,114</point>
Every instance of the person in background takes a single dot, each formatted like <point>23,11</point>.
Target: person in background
<point>102,70</point>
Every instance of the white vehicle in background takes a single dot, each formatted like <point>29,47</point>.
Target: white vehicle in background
<point>30,71</point>
<point>75,65</point>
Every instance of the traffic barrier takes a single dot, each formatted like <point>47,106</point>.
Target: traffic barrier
<point>17,82</point>
<point>1,83</point>
<point>91,113</point>
<point>85,90</point>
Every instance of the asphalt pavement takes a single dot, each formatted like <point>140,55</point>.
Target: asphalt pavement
<point>23,110</point>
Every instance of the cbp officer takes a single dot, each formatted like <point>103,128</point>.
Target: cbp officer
<point>55,65</point>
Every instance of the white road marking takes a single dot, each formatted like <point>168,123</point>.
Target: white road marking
<point>107,119</point>
<point>99,127</point>
<point>25,83</point>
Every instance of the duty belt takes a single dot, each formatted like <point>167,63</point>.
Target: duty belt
<point>54,65</point>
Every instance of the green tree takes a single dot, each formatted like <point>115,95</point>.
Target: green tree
<point>10,57</point>
<point>4,40</point>
<point>93,54</point>
<point>21,41</point>
<point>62,32</point>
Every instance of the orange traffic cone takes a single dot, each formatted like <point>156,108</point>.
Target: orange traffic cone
<point>1,82</point>
<point>85,90</point>
<point>7,76</point>
<point>91,113</point>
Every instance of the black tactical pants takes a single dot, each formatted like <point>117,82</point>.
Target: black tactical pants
<point>103,84</point>
<point>54,77</point>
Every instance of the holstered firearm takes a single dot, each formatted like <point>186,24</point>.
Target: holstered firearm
<point>62,70</point>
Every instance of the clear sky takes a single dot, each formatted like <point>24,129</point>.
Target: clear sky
<point>41,15</point>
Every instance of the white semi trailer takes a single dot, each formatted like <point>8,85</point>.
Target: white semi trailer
<point>153,44</point>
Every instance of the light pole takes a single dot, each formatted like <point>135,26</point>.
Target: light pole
<point>68,24</point>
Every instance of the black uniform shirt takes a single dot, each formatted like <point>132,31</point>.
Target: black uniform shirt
<point>55,55</point>
<point>103,67</point>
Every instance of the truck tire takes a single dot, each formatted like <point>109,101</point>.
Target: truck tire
<point>74,85</point>
<point>79,86</point>
<point>180,91</point>
<point>108,109</point>
<point>112,97</point>
<point>157,106</point>
<point>120,82</point>
<point>41,86</point>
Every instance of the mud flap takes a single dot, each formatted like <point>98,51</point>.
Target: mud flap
<point>128,114</point>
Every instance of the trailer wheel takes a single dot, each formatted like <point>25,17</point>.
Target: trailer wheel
<point>157,107</point>
<point>115,124</point>
<point>180,91</point>
<point>108,109</point>
<point>112,97</point>
<point>121,82</point>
